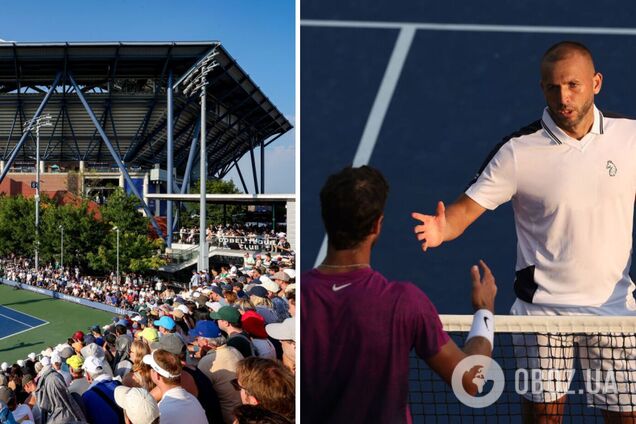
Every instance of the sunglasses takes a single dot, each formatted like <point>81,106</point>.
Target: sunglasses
<point>236,385</point>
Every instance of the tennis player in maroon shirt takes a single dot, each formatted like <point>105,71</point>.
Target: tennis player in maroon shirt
<point>358,327</point>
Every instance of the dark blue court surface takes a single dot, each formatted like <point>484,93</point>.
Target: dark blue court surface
<point>458,91</point>
<point>13,322</point>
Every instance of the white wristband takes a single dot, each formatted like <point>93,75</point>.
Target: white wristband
<point>483,326</point>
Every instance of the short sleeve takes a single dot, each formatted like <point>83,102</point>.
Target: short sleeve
<point>496,183</point>
<point>426,327</point>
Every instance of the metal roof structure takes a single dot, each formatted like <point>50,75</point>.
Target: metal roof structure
<point>125,84</point>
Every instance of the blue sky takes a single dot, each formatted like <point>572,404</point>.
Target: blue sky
<point>260,35</point>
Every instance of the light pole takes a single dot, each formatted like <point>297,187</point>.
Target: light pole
<point>197,81</point>
<point>40,121</point>
<point>117,231</point>
<point>62,247</point>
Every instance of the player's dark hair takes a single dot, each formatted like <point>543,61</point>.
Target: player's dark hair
<point>351,202</point>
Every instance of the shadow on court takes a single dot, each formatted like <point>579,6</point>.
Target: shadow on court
<point>22,345</point>
<point>27,302</point>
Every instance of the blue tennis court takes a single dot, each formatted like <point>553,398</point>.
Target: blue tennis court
<point>424,91</point>
<point>13,322</point>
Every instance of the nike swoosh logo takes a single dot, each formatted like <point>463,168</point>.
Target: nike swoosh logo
<point>336,288</point>
<point>486,322</point>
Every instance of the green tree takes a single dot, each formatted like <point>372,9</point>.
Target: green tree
<point>137,251</point>
<point>17,225</point>
<point>83,234</point>
<point>122,211</point>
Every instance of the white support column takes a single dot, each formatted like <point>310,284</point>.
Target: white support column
<point>145,187</point>
<point>291,223</point>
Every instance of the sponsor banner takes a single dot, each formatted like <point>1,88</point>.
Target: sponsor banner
<point>244,243</point>
<point>56,295</point>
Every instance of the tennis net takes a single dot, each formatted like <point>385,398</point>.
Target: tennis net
<point>591,360</point>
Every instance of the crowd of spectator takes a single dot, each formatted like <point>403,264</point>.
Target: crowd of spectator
<point>251,235</point>
<point>132,291</point>
<point>222,351</point>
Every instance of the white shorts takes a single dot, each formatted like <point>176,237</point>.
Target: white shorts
<point>608,362</point>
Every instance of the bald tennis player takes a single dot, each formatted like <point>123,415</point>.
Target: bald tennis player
<point>571,177</point>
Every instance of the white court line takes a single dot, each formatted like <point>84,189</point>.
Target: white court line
<point>469,27</point>
<point>23,331</point>
<point>379,108</point>
<point>13,319</point>
<point>23,313</point>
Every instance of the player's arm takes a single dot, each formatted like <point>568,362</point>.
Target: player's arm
<point>447,223</point>
<point>481,336</point>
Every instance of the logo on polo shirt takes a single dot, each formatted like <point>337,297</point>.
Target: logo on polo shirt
<point>338,288</point>
<point>612,168</point>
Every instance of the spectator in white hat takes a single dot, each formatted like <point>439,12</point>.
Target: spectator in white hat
<point>286,333</point>
<point>176,406</point>
<point>279,304</point>
<point>56,362</point>
<point>138,405</point>
<point>99,399</point>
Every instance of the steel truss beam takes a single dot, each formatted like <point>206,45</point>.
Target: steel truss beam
<point>115,156</point>
<point>25,134</point>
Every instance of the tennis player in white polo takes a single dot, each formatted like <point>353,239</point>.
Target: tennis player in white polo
<point>571,177</point>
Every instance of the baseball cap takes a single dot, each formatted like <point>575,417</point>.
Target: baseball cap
<point>55,357</point>
<point>215,306</point>
<point>93,365</point>
<point>217,290</point>
<point>169,342</point>
<point>254,324</point>
<point>258,291</point>
<point>139,405</point>
<point>78,335</point>
<point>184,309</point>
<point>165,322</point>
<point>75,362</point>
<point>227,313</point>
<point>26,379</point>
<point>290,272</point>
<point>269,284</point>
<point>96,328</point>
<point>92,350</point>
<point>150,334</point>
<point>285,330</point>
<point>280,275</point>
<point>66,351</point>
<point>31,356</point>
<point>207,329</point>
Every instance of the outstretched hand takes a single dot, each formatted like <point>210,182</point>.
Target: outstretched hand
<point>431,230</point>
<point>484,287</point>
